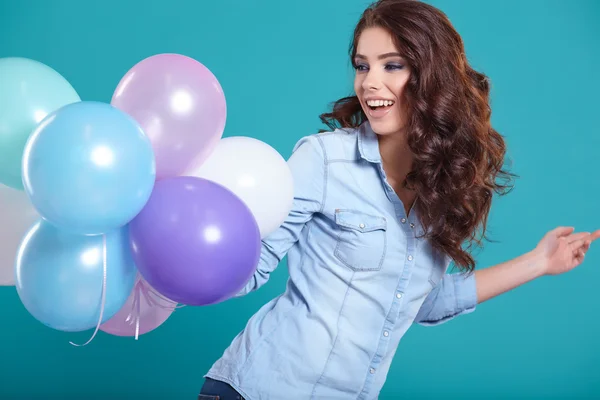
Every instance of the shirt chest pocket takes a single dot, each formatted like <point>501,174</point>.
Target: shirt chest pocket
<point>362,240</point>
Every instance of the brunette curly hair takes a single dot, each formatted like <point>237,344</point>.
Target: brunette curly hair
<point>457,155</point>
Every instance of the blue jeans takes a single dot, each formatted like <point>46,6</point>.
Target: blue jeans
<point>217,390</point>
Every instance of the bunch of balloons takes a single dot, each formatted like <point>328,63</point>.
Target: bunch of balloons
<point>114,214</point>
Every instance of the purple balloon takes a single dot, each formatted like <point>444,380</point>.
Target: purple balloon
<point>144,311</point>
<point>195,241</point>
<point>180,105</point>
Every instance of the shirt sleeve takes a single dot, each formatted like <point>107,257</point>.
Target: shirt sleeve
<point>308,167</point>
<point>455,295</point>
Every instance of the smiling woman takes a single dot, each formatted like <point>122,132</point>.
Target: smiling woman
<point>384,201</point>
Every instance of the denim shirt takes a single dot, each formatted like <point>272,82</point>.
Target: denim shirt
<point>358,279</point>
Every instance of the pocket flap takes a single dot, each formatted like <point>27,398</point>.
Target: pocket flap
<point>359,221</point>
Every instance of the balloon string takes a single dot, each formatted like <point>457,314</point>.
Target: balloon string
<point>103,301</point>
<point>136,298</point>
<point>137,320</point>
<point>142,289</point>
<point>134,314</point>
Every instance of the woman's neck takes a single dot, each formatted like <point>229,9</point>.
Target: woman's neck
<point>397,159</point>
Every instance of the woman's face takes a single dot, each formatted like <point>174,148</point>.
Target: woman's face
<point>381,75</point>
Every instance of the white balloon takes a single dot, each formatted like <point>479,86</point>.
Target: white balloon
<point>17,215</point>
<point>257,174</point>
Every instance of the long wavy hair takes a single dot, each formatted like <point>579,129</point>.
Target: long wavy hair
<point>458,158</point>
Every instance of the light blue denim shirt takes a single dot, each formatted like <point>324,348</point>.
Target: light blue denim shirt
<point>358,279</point>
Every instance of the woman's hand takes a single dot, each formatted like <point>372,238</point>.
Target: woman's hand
<point>562,250</point>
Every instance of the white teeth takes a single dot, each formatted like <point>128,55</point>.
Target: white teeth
<point>379,103</point>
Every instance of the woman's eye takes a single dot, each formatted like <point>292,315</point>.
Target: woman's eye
<point>394,66</point>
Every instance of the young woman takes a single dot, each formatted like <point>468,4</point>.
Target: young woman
<point>383,203</point>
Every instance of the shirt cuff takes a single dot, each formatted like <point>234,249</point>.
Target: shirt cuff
<point>465,288</point>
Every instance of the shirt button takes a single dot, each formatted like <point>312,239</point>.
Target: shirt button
<point>403,220</point>
<point>386,333</point>
<point>399,295</point>
<point>410,258</point>
<point>372,370</point>
<point>412,225</point>
<point>362,226</point>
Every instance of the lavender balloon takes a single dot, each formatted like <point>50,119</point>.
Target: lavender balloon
<point>179,104</point>
<point>195,241</point>
<point>144,311</point>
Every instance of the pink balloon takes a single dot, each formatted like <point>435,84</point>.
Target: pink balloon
<point>179,104</point>
<point>144,311</point>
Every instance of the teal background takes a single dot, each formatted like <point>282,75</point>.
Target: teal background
<point>280,63</point>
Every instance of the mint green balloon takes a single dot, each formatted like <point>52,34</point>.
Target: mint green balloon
<point>29,90</point>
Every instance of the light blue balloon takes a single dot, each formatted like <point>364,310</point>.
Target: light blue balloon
<point>88,168</point>
<point>29,91</point>
<point>59,276</point>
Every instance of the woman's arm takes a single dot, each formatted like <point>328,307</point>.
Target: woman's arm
<point>559,251</point>
<point>501,278</point>
<point>307,164</point>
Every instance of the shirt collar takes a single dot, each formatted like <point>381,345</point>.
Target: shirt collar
<point>368,145</point>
